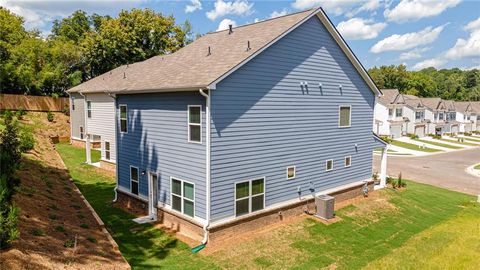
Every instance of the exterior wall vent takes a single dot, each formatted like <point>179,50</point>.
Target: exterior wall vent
<point>325,207</point>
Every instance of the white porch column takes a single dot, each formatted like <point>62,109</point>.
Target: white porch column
<point>87,149</point>
<point>383,167</point>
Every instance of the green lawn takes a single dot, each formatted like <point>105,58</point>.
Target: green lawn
<point>371,234</point>
<point>440,144</point>
<point>413,147</point>
<point>144,246</point>
<point>472,139</point>
<point>453,140</point>
<point>477,167</point>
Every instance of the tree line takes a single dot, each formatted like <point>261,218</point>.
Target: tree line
<point>455,84</point>
<point>81,47</point>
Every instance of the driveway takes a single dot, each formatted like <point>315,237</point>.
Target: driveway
<point>447,170</point>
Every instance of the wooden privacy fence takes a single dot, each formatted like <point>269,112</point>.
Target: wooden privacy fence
<point>33,103</point>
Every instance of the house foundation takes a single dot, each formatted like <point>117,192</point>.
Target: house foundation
<point>237,227</point>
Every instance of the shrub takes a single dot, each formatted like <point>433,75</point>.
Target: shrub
<point>38,232</point>
<point>435,136</point>
<point>27,141</point>
<point>91,239</point>
<point>66,111</point>
<point>70,243</point>
<point>50,116</point>
<point>375,176</point>
<point>20,113</point>
<point>60,228</point>
<point>8,224</point>
<point>467,133</point>
<point>386,139</point>
<point>52,217</point>
<point>412,136</point>
<point>85,226</point>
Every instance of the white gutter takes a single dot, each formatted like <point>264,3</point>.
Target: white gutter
<point>207,165</point>
<point>87,135</point>
<point>116,143</point>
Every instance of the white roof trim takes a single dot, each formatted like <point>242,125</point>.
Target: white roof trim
<point>333,32</point>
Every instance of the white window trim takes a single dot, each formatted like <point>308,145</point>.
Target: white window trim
<point>249,196</point>
<point>188,124</point>
<point>138,180</point>
<point>120,117</point>
<point>345,163</point>
<point>87,109</point>
<point>396,112</point>
<point>182,197</point>
<point>349,117</point>
<point>294,172</point>
<point>105,149</point>
<point>326,165</point>
<point>81,131</point>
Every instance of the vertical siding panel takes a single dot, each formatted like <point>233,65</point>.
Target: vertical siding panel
<point>157,141</point>
<point>264,121</point>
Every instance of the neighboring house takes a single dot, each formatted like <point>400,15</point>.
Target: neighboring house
<point>389,119</point>
<point>451,117</point>
<point>476,115</point>
<point>414,113</point>
<point>438,124</point>
<point>77,119</point>
<point>242,127</point>
<point>97,122</point>
<point>464,116</point>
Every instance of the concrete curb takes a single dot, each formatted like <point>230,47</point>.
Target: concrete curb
<point>472,171</point>
<point>95,215</point>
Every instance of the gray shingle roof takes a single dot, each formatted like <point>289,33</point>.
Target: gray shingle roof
<point>462,106</point>
<point>388,96</point>
<point>431,103</point>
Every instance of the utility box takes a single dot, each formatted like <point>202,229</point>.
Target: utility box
<point>325,205</point>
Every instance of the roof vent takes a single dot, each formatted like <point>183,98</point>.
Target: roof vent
<point>209,51</point>
<point>124,75</point>
<point>230,29</point>
<point>248,45</point>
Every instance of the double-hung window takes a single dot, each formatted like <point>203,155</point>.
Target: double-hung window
<point>398,112</point>
<point>183,197</point>
<point>72,100</point>
<point>107,150</point>
<point>344,116</point>
<point>89,109</point>
<point>123,118</point>
<point>134,180</point>
<point>418,115</point>
<point>81,132</point>
<point>249,196</point>
<point>390,112</point>
<point>195,123</point>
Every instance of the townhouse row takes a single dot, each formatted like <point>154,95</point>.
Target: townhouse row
<point>239,129</point>
<point>398,115</point>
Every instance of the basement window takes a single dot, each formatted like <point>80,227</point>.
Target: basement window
<point>195,123</point>
<point>290,172</point>
<point>107,150</point>
<point>249,196</point>
<point>183,197</point>
<point>134,180</point>
<point>123,118</point>
<point>329,165</point>
<point>348,161</point>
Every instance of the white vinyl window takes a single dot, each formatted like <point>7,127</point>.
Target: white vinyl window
<point>134,180</point>
<point>123,118</point>
<point>290,172</point>
<point>348,161</point>
<point>249,196</point>
<point>107,150</point>
<point>81,132</point>
<point>398,112</point>
<point>72,100</point>
<point>183,197</point>
<point>390,112</point>
<point>89,109</point>
<point>344,116</point>
<point>329,165</point>
<point>195,123</point>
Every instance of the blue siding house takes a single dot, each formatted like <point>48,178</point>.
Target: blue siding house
<point>243,126</point>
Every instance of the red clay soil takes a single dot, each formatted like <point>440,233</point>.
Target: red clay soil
<point>52,214</point>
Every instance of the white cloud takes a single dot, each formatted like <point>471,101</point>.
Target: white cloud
<point>358,28</point>
<point>225,23</point>
<point>279,13</point>
<point>463,48</point>
<point>369,5</point>
<point>413,10</point>
<point>193,6</point>
<point>237,7</point>
<point>336,7</point>
<point>407,41</point>
<point>473,25</point>
<point>434,62</point>
<point>413,54</point>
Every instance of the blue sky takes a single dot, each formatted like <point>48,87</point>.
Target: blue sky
<point>418,33</point>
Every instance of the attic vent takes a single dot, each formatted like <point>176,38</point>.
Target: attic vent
<point>230,29</point>
<point>248,45</point>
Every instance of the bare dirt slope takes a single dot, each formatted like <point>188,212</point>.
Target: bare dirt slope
<point>53,217</point>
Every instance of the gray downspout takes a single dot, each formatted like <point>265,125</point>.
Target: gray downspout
<point>207,168</point>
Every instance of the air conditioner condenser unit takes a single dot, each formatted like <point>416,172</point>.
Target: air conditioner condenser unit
<point>325,205</point>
